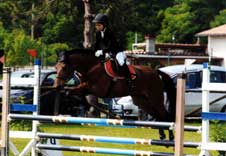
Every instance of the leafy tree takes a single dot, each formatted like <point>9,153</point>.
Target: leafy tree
<point>51,51</point>
<point>219,19</point>
<point>3,34</point>
<point>204,11</point>
<point>178,23</point>
<point>130,36</point>
<point>147,16</point>
<point>16,45</point>
<point>59,24</point>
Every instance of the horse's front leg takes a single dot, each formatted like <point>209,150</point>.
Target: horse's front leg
<point>81,89</point>
<point>162,134</point>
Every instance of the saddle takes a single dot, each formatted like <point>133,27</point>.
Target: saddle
<point>111,67</point>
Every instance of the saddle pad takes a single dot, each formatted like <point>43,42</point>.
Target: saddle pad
<point>109,70</point>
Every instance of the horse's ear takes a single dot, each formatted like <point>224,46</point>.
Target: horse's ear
<point>61,56</point>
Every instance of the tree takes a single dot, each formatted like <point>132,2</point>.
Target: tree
<point>204,11</point>
<point>219,19</point>
<point>148,20</point>
<point>16,45</point>
<point>87,32</point>
<point>177,22</point>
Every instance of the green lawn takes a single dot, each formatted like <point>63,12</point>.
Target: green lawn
<point>110,131</point>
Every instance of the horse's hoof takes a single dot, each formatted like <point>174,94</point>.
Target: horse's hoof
<point>171,139</point>
<point>162,137</point>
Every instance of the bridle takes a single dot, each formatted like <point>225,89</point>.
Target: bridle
<point>60,76</point>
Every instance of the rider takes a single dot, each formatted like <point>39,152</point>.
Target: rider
<point>106,44</point>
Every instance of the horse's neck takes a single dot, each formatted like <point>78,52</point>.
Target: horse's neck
<point>85,64</point>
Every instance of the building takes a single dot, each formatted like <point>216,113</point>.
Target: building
<point>164,54</point>
<point>216,42</point>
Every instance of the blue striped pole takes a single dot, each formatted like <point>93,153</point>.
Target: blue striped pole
<point>114,139</point>
<point>102,150</point>
<point>101,121</point>
<point>213,116</point>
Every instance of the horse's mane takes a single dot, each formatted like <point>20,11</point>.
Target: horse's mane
<point>64,55</point>
<point>80,51</point>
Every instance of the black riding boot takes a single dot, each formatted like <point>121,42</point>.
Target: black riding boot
<point>127,73</point>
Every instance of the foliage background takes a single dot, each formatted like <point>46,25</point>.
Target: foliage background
<point>59,24</point>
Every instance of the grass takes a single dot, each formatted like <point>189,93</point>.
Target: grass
<point>146,133</point>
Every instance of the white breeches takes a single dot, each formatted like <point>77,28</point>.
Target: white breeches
<point>121,58</point>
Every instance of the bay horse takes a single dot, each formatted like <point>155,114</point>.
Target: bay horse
<point>148,86</point>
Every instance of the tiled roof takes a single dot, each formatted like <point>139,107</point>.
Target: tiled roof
<point>217,31</point>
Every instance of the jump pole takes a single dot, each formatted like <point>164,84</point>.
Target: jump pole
<point>99,121</point>
<point>179,138</point>
<point>36,101</point>
<point>86,149</point>
<point>5,111</point>
<point>117,140</point>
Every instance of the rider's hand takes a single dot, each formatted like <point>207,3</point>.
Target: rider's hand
<point>107,56</point>
<point>98,53</point>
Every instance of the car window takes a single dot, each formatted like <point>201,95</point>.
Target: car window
<point>49,79</point>
<point>28,75</point>
<point>193,80</point>
<point>218,76</point>
<point>51,76</point>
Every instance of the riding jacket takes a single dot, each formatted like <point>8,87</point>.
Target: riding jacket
<point>106,41</point>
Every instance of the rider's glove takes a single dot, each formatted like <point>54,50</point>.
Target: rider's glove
<point>98,53</point>
<point>107,56</point>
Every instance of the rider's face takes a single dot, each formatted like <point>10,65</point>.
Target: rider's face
<point>99,26</point>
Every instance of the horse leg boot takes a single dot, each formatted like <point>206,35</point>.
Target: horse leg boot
<point>171,135</point>
<point>162,135</point>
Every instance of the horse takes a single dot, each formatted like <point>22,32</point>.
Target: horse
<point>147,91</point>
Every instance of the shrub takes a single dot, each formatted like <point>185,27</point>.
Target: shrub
<point>219,134</point>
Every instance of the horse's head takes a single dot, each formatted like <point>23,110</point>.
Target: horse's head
<point>63,69</point>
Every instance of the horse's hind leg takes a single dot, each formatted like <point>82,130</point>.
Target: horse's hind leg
<point>171,135</point>
<point>162,135</point>
<point>147,105</point>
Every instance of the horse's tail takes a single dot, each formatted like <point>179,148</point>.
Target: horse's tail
<point>170,90</point>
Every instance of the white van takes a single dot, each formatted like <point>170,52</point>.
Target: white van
<point>193,97</point>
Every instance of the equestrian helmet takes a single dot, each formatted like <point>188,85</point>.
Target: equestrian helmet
<point>101,18</point>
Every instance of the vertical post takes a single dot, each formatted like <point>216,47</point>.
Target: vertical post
<point>179,138</point>
<point>150,43</point>
<point>32,20</point>
<point>36,99</point>
<point>205,107</point>
<point>5,111</point>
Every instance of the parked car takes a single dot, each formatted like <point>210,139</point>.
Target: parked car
<point>21,93</point>
<point>124,107</point>
<point>193,95</point>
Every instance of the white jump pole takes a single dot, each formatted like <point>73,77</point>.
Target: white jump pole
<point>205,108</point>
<point>5,111</point>
<point>36,101</point>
